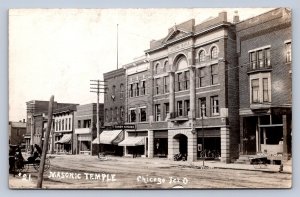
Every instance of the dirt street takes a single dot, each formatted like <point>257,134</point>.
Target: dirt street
<point>80,171</point>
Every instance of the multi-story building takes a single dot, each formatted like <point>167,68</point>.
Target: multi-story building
<point>85,122</point>
<point>265,82</point>
<point>138,106</point>
<point>63,129</point>
<point>114,112</point>
<point>39,109</point>
<point>16,132</point>
<point>195,90</point>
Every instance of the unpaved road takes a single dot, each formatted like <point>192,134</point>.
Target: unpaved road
<point>78,171</point>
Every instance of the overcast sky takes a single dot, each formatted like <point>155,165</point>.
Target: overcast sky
<point>57,51</point>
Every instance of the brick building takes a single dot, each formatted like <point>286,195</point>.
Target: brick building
<point>193,77</point>
<point>138,106</point>
<point>39,109</point>
<point>114,112</point>
<point>265,83</point>
<point>85,121</point>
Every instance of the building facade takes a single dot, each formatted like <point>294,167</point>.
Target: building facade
<point>16,133</point>
<point>265,83</point>
<point>114,112</point>
<point>85,121</point>
<point>195,91</point>
<point>138,106</point>
<point>63,130</point>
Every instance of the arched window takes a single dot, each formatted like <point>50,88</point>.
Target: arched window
<point>113,90</point>
<point>182,63</point>
<point>165,66</point>
<point>214,53</point>
<point>156,68</point>
<point>202,56</point>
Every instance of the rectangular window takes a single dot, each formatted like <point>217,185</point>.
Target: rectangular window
<point>157,112</point>
<point>69,123</point>
<point>137,89</point>
<point>186,107</point>
<point>157,83</point>
<point>186,82</point>
<point>179,81</point>
<point>265,90</point>
<point>179,108</point>
<point>255,90</point>
<point>202,107</point>
<point>121,114</point>
<point>79,124</point>
<point>131,90</point>
<point>215,105</point>
<point>143,115</point>
<point>132,115</point>
<point>288,48</point>
<point>201,75</point>
<point>253,60</point>
<point>112,115</point>
<point>63,125</point>
<point>166,109</point>
<point>116,114</point>
<point>267,58</point>
<point>214,74</point>
<point>260,58</point>
<point>143,90</point>
<point>166,84</point>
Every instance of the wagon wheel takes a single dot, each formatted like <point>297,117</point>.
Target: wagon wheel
<point>36,165</point>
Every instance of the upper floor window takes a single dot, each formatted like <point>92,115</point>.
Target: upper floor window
<point>132,115</point>
<point>186,82</point>
<point>137,91</point>
<point>87,123</point>
<point>121,91</point>
<point>179,108</point>
<point>121,114</point>
<point>156,71</point>
<point>131,90</point>
<point>215,105</point>
<point>69,123</point>
<point>202,107</point>
<point>157,84</point>
<point>157,112</point>
<point>260,88</point>
<point>201,76</point>
<point>166,84</point>
<point>214,74</point>
<point>143,115</point>
<point>143,89</point>
<point>260,59</point>
<point>288,51</point>
<point>166,105</point>
<point>113,90</point>
<point>165,68</point>
<point>112,114</point>
<point>202,56</point>
<point>179,81</point>
<point>106,115</point>
<point>63,124</point>
<point>79,124</point>
<point>116,114</point>
<point>186,107</point>
<point>214,53</point>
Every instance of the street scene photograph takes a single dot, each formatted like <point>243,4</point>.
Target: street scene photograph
<point>185,98</point>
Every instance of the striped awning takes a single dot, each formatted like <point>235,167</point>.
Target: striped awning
<point>109,137</point>
<point>133,141</point>
<point>66,139</point>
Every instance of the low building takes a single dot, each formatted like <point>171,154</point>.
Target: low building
<point>16,133</point>
<point>85,121</point>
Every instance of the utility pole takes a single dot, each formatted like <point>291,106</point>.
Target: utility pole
<point>45,145</point>
<point>96,87</point>
<point>203,150</point>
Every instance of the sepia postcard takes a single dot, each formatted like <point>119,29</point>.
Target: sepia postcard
<point>197,98</point>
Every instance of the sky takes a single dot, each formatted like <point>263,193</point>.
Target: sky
<point>58,51</point>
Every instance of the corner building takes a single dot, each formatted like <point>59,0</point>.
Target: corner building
<point>194,94</point>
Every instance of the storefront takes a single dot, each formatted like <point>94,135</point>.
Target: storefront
<point>63,143</point>
<point>208,143</point>
<point>160,144</point>
<point>135,143</point>
<point>109,140</point>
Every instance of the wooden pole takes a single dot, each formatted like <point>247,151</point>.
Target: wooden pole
<point>45,146</point>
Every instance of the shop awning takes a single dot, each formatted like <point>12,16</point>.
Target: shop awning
<point>108,137</point>
<point>133,141</point>
<point>66,139</point>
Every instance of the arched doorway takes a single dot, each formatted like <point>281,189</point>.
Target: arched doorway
<point>181,144</point>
